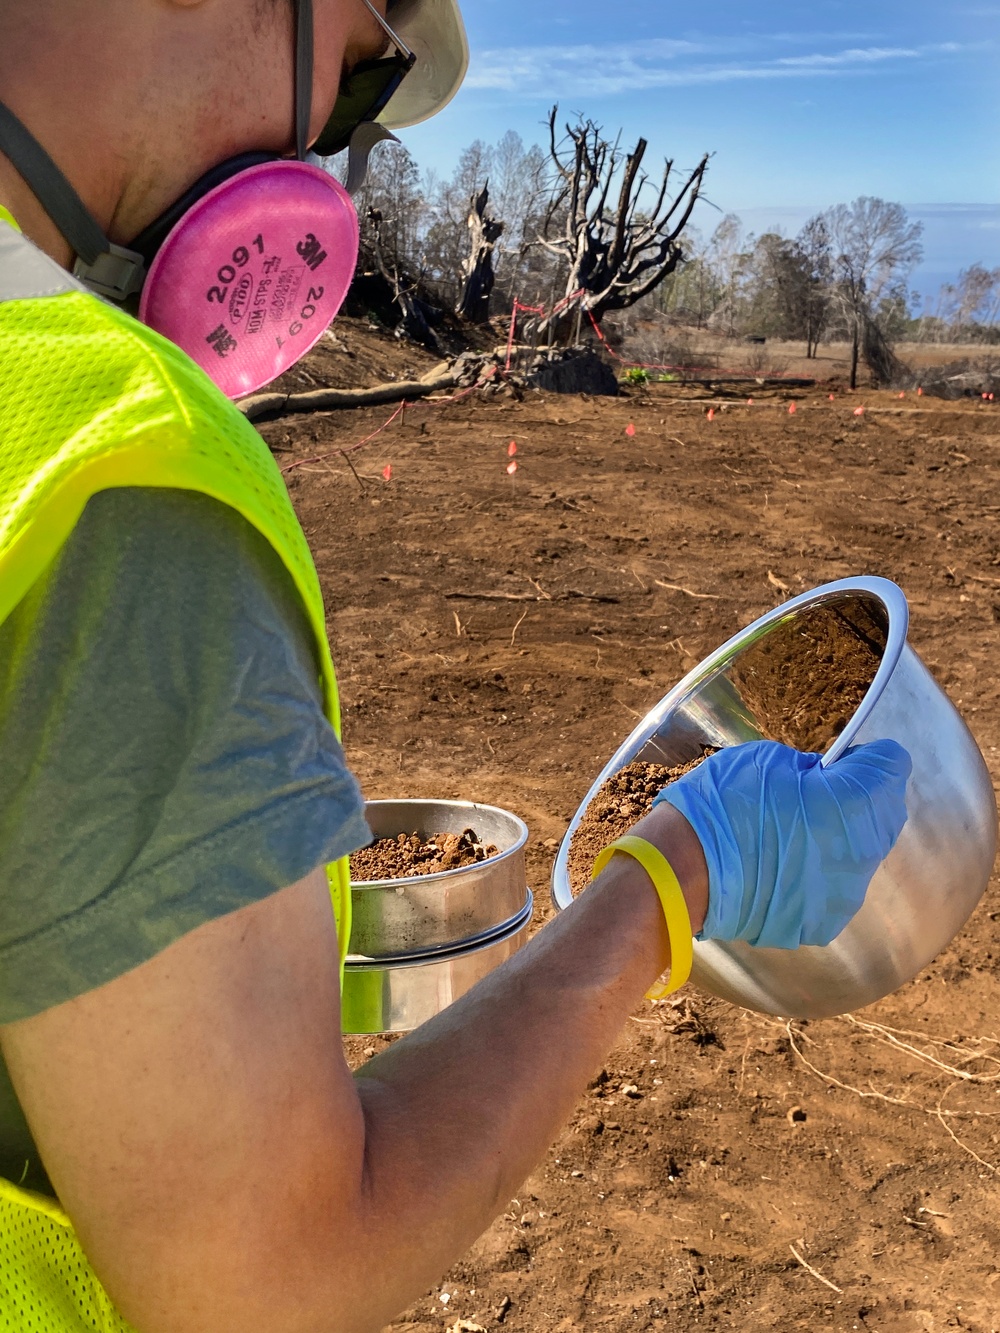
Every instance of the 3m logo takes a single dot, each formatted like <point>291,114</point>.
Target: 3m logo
<point>222,340</point>
<point>311,251</point>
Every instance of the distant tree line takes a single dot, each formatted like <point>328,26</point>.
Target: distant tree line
<point>816,286</point>
<point>844,277</point>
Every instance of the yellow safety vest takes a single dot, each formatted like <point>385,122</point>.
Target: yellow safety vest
<point>91,400</point>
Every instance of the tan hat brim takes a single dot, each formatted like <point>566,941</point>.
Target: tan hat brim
<point>435,33</point>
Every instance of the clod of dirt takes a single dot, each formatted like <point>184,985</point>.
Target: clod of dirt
<point>622,801</point>
<point>409,854</point>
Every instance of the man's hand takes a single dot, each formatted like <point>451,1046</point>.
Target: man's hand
<point>791,846</point>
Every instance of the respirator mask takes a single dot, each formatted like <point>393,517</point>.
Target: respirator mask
<point>249,268</point>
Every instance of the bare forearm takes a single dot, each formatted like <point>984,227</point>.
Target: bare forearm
<point>458,1113</point>
<point>239,1178</point>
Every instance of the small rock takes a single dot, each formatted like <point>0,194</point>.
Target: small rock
<point>631,1090</point>
<point>727,1217</point>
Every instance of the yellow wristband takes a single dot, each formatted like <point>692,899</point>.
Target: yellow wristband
<point>668,890</point>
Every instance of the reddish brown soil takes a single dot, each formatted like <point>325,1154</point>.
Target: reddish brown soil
<point>409,854</point>
<point>805,680</point>
<point>625,798</point>
<point>709,1145</point>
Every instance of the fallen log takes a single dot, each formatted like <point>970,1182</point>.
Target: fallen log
<point>273,405</point>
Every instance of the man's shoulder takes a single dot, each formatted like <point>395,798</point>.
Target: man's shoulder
<point>77,348</point>
<point>28,273</point>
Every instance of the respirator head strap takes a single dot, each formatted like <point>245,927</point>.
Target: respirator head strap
<point>108,269</point>
<point>303,75</point>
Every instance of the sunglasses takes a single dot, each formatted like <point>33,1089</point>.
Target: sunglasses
<point>365,92</point>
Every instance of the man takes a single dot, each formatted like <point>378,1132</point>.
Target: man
<point>186,1147</point>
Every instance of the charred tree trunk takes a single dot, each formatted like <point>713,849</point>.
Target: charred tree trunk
<point>478,272</point>
<point>855,353</point>
<point>886,368</point>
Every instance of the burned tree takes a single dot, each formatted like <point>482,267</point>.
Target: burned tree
<point>874,247</point>
<point>404,287</point>
<point>616,252</point>
<point>477,271</point>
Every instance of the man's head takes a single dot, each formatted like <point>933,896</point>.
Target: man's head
<point>136,99</point>
<point>189,192</point>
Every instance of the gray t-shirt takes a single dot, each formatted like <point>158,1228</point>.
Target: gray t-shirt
<point>164,756</point>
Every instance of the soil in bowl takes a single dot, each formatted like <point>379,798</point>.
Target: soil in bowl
<point>804,681</point>
<point>408,854</point>
<point>624,799</point>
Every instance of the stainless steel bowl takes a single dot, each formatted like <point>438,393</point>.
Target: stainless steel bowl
<point>809,650</point>
<point>397,995</point>
<point>398,917</point>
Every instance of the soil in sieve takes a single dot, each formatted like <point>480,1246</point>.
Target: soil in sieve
<point>624,799</point>
<point>804,681</point>
<point>409,854</point>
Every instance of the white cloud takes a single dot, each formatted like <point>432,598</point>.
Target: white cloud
<point>856,56</point>
<point>592,70</point>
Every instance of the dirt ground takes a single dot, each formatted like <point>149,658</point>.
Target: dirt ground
<point>497,637</point>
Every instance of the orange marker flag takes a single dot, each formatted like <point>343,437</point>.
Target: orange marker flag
<point>859,411</point>
<point>832,397</point>
<point>387,472</point>
<point>711,414</point>
<point>630,430</point>
<point>902,395</point>
<point>749,402</point>
<point>920,393</point>
<point>511,468</point>
<point>792,409</point>
<point>511,449</point>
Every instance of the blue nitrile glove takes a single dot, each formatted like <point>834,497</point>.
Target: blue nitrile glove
<point>791,846</point>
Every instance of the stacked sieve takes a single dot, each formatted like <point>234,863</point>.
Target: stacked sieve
<point>420,942</point>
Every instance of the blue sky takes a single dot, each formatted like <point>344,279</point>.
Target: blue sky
<point>803,104</point>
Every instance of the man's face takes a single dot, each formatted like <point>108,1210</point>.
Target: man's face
<point>346,33</point>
